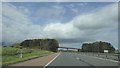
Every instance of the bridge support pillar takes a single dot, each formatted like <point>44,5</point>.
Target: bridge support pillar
<point>67,49</point>
<point>78,50</point>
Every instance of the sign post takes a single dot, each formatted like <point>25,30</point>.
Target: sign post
<point>106,51</point>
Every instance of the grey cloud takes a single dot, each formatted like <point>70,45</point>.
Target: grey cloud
<point>103,18</point>
<point>71,40</point>
<point>73,45</point>
<point>75,40</point>
<point>50,11</point>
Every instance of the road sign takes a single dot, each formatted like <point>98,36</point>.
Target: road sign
<point>105,51</point>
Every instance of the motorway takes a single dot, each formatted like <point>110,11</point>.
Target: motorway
<point>80,61</point>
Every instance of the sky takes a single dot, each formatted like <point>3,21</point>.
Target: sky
<point>71,23</point>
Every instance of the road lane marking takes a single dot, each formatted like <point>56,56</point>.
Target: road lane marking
<point>106,59</point>
<point>102,58</point>
<point>85,62</point>
<point>77,58</point>
<point>52,60</point>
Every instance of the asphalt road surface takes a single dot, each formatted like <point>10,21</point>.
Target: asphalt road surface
<point>73,60</point>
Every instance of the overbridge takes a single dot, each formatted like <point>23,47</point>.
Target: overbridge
<point>70,48</point>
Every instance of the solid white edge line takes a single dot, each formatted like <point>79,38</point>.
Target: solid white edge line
<point>52,60</point>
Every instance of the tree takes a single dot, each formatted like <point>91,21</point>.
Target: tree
<point>98,47</point>
<point>44,44</point>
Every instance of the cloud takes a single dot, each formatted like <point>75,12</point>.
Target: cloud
<point>75,10</point>
<point>75,7</point>
<point>100,25</point>
<point>73,45</point>
<point>71,5</point>
<point>82,4</point>
<point>16,25</point>
<point>24,10</point>
<point>54,11</point>
<point>61,30</point>
<point>103,18</point>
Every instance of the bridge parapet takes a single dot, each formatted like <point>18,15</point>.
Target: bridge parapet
<point>70,48</point>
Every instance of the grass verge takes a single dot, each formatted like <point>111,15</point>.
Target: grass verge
<point>9,59</point>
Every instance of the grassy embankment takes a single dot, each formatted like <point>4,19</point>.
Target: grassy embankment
<point>12,55</point>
